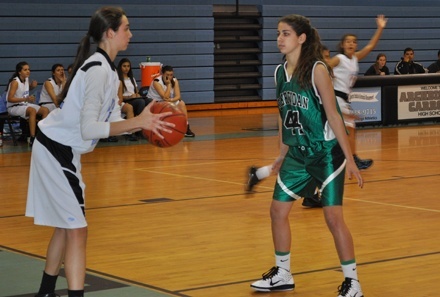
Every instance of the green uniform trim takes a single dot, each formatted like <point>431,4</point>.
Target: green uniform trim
<point>352,261</point>
<point>281,253</point>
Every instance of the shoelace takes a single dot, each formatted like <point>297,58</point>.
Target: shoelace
<point>343,289</point>
<point>271,272</point>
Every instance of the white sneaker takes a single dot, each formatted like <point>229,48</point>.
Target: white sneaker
<point>350,288</point>
<point>276,279</point>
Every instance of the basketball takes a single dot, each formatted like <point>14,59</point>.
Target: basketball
<point>177,117</point>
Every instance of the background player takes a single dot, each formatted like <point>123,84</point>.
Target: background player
<point>345,69</point>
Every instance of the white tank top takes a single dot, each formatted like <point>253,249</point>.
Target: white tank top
<point>345,73</point>
<point>45,97</point>
<point>21,92</point>
<point>152,92</point>
<point>129,87</point>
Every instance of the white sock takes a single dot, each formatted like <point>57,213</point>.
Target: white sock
<point>283,261</point>
<point>350,270</point>
<point>264,172</point>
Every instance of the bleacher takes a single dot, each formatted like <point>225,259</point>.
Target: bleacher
<point>181,34</point>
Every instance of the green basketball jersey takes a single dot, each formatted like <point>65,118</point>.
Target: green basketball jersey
<point>303,116</point>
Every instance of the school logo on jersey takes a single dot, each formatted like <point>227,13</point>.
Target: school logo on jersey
<point>293,99</point>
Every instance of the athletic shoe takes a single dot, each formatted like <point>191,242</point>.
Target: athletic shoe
<point>276,279</point>
<point>253,179</point>
<point>362,163</point>
<point>31,141</point>
<point>110,139</point>
<point>132,137</point>
<point>312,202</point>
<point>350,288</point>
<point>189,133</point>
<point>47,295</point>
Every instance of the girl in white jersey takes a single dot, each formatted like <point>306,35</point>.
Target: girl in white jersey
<point>129,88</point>
<point>56,190</point>
<point>166,88</point>
<point>52,88</point>
<point>20,103</point>
<point>345,69</point>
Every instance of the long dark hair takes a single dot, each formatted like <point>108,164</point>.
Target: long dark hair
<point>130,74</point>
<point>311,49</point>
<point>165,69</point>
<point>376,64</point>
<point>54,67</point>
<point>103,19</point>
<point>18,68</point>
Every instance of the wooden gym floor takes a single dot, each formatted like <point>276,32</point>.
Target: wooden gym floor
<point>176,221</point>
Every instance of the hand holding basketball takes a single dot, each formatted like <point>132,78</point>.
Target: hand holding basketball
<point>153,122</point>
<point>177,122</point>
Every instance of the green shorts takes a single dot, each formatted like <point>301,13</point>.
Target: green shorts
<point>305,168</point>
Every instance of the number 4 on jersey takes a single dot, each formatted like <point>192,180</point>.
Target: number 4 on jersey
<point>291,121</point>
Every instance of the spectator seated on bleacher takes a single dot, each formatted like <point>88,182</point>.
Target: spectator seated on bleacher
<point>52,88</point>
<point>20,103</point>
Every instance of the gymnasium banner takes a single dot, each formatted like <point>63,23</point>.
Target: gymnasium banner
<point>418,102</point>
<point>366,103</point>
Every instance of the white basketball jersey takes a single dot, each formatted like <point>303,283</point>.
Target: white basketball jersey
<point>345,73</point>
<point>152,92</point>
<point>81,121</point>
<point>129,87</point>
<point>44,96</point>
<point>21,92</point>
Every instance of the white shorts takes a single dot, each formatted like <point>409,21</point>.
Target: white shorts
<point>56,190</point>
<point>116,115</point>
<point>20,110</point>
<point>347,112</point>
<point>49,105</point>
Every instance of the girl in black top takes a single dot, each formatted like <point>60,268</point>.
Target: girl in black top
<point>379,68</point>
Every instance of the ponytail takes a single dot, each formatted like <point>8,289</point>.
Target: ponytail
<point>103,19</point>
<point>82,53</point>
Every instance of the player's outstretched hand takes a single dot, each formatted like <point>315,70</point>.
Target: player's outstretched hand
<point>352,170</point>
<point>153,122</point>
<point>381,21</point>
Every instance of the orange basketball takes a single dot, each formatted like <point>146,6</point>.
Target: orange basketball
<point>177,117</point>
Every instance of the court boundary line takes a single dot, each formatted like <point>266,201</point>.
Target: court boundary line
<point>103,275</point>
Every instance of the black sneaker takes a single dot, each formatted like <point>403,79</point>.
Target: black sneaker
<point>47,295</point>
<point>132,137</point>
<point>110,139</point>
<point>362,163</point>
<point>253,179</point>
<point>189,133</point>
<point>31,141</point>
<point>312,202</point>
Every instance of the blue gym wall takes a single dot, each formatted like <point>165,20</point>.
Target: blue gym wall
<point>180,33</point>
